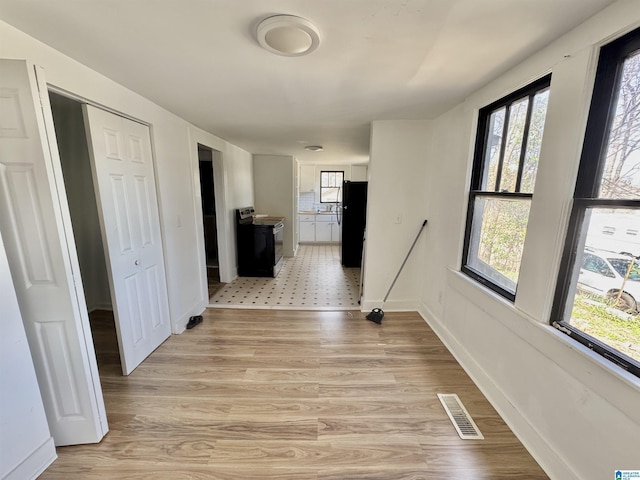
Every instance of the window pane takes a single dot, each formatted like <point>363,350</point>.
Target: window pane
<point>513,147</point>
<point>534,141</point>
<point>332,179</point>
<point>607,285</point>
<point>324,178</point>
<point>497,237</point>
<point>621,175</point>
<point>330,194</point>
<point>492,152</point>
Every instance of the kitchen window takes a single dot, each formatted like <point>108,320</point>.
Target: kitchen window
<point>506,155</point>
<point>331,186</point>
<point>598,292</point>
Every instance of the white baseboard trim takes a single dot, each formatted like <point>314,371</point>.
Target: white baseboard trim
<point>390,306</point>
<point>36,463</point>
<point>181,325</point>
<point>553,465</point>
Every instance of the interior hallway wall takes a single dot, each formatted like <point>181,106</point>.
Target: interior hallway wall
<point>181,221</point>
<point>81,195</point>
<point>396,203</point>
<point>575,412</point>
<point>274,179</point>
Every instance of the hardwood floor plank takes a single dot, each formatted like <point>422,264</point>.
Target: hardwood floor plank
<point>291,395</point>
<point>320,453</point>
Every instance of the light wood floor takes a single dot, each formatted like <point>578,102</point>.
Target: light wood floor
<point>292,395</point>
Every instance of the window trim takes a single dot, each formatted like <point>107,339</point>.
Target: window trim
<point>592,162</point>
<point>479,165</point>
<point>341,172</point>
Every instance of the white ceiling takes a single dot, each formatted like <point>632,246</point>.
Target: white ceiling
<point>378,59</point>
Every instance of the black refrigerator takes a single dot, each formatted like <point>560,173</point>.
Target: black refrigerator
<point>354,212</point>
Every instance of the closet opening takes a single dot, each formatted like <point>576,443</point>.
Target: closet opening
<point>81,197</point>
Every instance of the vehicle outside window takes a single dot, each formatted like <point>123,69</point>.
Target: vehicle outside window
<point>611,276</point>
<point>598,288</point>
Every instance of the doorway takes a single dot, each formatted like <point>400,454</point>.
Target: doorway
<point>209,219</point>
<point>81,197</point>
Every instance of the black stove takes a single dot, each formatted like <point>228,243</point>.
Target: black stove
<point>259,243</point>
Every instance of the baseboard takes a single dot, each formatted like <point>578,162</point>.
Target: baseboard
<point>100,306</point>
<point>391,305</point>
<point>181,325</point>
<point>548,459</point>
<point>36,463</point>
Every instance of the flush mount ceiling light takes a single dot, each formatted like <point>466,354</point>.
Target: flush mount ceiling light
<point>314,148</point>
<point>288,35</point>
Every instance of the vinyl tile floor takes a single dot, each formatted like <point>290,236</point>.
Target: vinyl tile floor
<point>312,280</point>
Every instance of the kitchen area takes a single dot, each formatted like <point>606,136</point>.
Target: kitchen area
<point>308,201</point>
<point>318,221</point>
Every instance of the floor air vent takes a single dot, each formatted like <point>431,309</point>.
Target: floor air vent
<point>459,416</point>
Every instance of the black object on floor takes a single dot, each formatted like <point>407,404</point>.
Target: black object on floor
<point>376,314</point>
<point>193,321</point>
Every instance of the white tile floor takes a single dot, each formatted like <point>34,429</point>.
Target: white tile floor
<point>313,280</point>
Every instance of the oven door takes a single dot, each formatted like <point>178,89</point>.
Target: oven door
<point>278,238</point>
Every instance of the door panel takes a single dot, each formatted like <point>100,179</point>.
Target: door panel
<point>35,223</point>
<point>122,166</point>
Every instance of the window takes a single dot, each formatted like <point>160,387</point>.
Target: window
<point>504,171</point>
<point>331,186</point>
<point>598,293</point>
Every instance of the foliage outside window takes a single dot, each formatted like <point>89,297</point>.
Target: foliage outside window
<point>331,186</point>
<point>598,293</point>
<point>506,157</point>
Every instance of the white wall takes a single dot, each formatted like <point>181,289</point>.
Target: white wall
<point>397,172</point>
<point>26,446</point>
<point>576,413</point>
<point>274,182</point>
<point>173,148</point>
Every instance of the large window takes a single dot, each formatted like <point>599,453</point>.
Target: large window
<point>331,186</point>
<point>504,172</point>
<point>598,293</point>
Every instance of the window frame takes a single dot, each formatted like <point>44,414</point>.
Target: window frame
<point>341,172</point>
<point>590,172</point>
<point>480,163</point>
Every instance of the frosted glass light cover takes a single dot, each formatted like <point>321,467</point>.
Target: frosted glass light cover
<point>288,35</point>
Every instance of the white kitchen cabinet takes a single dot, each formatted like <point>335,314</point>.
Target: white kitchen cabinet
<point>307,178</point>
<point>335,232</point>
<point>321,228</point>
<point>323,231</point>
<point>307,228</point>
<point>327,228</point>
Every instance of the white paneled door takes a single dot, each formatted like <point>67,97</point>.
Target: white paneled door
<point>127,204</point>
<point>35,223</point>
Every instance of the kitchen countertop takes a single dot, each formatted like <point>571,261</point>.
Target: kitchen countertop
<point>310,212</point>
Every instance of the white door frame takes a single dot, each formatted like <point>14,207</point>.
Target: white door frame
<point>226,257</point>
<point>81,99</point>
